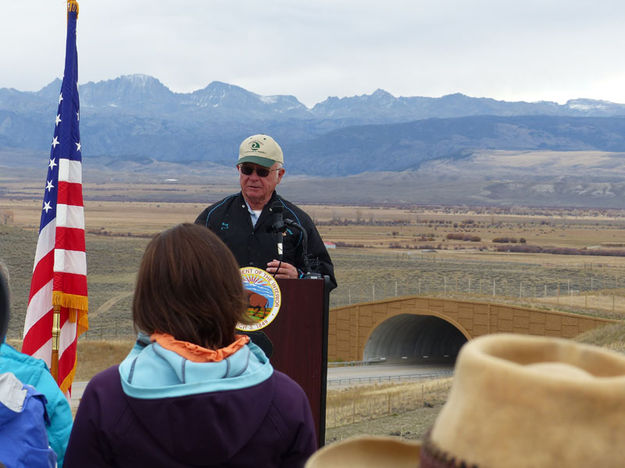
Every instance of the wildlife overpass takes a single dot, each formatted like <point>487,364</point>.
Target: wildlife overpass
<point>417,328</point>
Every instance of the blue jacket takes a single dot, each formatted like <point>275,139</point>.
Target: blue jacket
<point>23,438</point>
<point>160,409</point>
<point>32,371</point>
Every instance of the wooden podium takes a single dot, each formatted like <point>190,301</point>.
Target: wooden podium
<point>300,341</point>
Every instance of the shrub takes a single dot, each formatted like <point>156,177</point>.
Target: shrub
<point>505,240</point>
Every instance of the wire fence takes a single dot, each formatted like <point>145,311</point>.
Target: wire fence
<point>351,407</point>
<point>592,298</point>
<point>565,294</point>
<point>596,288</point>
<point>590,288</point>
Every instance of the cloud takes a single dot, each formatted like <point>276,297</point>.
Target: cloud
<point>513,50</point>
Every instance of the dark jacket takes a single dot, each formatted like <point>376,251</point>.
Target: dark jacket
<point>157,409</point>
<point>256,245</point>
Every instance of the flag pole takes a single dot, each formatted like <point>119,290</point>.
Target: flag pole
<point>56,331</point>
<point>57,305</point>
<point>72,5</point>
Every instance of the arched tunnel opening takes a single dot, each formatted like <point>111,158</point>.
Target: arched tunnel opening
<point>414,338</point>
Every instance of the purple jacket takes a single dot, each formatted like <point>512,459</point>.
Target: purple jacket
<point>266,424</point>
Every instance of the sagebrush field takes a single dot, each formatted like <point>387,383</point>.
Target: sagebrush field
<point>381,251</point>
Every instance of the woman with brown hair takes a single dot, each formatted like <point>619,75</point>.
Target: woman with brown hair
<point>191,392</point>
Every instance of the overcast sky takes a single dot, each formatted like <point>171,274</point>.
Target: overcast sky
<point>511,50</point>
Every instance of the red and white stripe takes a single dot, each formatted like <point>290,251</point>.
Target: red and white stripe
<point>60,265</point>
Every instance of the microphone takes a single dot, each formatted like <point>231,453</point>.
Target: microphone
<point>306,264</point>
<point>277,225</point>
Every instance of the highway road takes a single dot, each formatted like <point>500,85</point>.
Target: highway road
<point>348,376</point>
<point>382,373</point>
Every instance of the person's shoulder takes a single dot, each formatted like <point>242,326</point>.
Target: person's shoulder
<point>107,375</point>
<point>290,402</point>
<point>296,210</point>
<point>226,200</point>
<point>286,387</point>
<point>107,382</point>
<point>6,350</point>
<point>216,208</point>
<point>27,368</point>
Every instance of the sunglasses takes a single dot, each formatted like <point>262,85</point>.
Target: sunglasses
<point>260,171</point>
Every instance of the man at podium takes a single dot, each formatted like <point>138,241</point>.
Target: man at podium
<point>261,228</point>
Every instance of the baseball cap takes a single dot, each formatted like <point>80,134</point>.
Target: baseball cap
<point>260,149</point>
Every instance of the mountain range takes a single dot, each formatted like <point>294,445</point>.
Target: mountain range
<point>137,120</point>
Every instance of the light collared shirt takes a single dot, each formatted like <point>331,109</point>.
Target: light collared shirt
<point>254,214</point>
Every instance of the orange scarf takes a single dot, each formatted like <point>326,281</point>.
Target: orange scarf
<point>196,353</point>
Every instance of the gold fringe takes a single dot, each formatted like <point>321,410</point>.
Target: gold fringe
<point>82,324</point>
<point>81,319</point>
<point>69,378</point>
<point>72,5</point>
<point>71,301</point>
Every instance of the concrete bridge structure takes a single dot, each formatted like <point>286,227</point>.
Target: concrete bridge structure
<point>434,329</point>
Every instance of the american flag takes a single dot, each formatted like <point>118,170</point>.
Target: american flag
<point>60,270</point>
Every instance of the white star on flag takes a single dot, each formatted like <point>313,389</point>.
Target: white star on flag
<point>78,146</point>
<point>60,98</point>
<point>51,164</point>
<point>55,142</point>
<point>49,186</point>
<point>57,121</point>
<point>46,206</point>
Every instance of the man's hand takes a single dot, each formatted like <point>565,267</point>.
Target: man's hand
<point>286,269</point>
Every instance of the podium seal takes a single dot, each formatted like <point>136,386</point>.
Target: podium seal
<point>263,298</point>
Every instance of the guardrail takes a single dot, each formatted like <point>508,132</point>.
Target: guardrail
<point>351,381</point>
<point>355,363</point>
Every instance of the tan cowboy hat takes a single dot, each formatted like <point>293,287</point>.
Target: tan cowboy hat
<point>367,451</point>
<point>516,401</point>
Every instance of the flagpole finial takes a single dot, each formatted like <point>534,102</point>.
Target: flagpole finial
<point>72,5</point>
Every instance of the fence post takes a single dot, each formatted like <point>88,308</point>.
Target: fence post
<point>494,288</point>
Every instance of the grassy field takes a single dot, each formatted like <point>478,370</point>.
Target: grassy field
<point>381,252</point>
